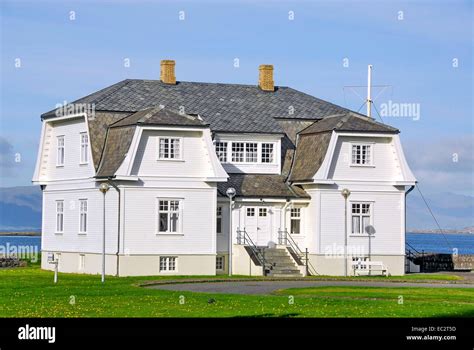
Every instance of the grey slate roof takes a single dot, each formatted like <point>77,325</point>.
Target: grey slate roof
<point>349,121</point>
<point>261,186</point>
<point>226,107</point>
<point>310,152</point>
<point>160,116</point>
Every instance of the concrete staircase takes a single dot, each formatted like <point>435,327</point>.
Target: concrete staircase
<point>281,264</point>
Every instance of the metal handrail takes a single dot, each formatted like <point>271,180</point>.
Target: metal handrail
<point>411,248</point>
<point>243,238</point>
<point>284,238</point>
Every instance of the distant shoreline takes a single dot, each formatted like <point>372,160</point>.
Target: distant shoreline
<point>30,233</point>
<point>438,232</point>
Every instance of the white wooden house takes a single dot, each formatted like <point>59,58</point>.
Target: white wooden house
<point>170,150</point>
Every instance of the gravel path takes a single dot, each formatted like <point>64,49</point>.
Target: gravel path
<point>268,287</point>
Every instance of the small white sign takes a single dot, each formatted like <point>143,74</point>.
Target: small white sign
<point>50,257</point>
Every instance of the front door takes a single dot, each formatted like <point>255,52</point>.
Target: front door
<point>257,224</point>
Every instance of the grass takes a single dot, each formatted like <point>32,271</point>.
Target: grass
<point>29,292</point>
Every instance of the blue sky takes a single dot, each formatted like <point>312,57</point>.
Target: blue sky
<point>64,59</point>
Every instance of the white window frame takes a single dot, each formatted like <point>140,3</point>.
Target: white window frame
<point>170,138</point>
<point>295,210</point>
<point>272,152</point>
<point>220,266</point>
<point>59,214</point>
<point>251,153</point>
<point>222,152</point>
<point>219,230</point>
<point>82,262</point>
<point>167,264</point>
<point>179,227</point>
<point>360,216</point>
<point>84,147</point>
<point>229,153</point>
<point>83,215</point>
<point>60,151</point>
<point>370,145</point>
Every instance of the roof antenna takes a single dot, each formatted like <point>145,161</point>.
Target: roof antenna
<point>369,88</point>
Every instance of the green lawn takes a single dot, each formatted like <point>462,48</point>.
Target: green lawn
<point>29,292</point>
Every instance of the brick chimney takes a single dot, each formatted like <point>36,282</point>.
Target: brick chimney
<point>167,75</point>
<point>265,78</point>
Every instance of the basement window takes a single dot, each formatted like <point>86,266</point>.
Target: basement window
<point>168,263</point>
<point>220,263</point>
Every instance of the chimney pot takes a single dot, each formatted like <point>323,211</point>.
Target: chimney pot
<point>167,75</point>
<point>265,78</point>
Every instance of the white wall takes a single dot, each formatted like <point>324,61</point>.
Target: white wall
<point>195,162</point>
<point>141,221</point>
<point>71,240</point>
<point>72,168</point>
<point>386,166</point>
<point>387,219</point>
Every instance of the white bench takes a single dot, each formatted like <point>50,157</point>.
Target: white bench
<point>369,267</point>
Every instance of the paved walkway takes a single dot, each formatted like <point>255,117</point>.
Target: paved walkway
<point>268,287</point>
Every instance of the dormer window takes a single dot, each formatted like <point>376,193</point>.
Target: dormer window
<point>361,154</point>
<point>60,151</point>
<point>84,148</point>
<point>169,148</point>
<point>221,151</point>
<point>267,152</point>
<point>245,152</point>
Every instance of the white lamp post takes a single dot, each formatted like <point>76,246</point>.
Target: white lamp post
<point>345,193</point>
<point>230,193</point>
<point>104,187</point>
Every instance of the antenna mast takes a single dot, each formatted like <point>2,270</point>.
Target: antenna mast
<point>369,88</point>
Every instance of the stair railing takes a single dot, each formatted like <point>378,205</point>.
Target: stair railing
<point>243,238</point>
<point>284,238</point>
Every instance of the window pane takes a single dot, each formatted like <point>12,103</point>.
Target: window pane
<point>237,152</point>
<point>174,222</point>
<point>251,152</point>
<point>355,208</point>
<point>219,225</point>
<point>163,222</point>
<point>163,205</point>
<point>295,226</point>
<point>356,224</point>
<point>267,153</point>
<point>175,148</point>
<point>295,212</point>
<point>221,151</point>
<point>365,223</point>
<point>262,212</point>
<point>172,264</point>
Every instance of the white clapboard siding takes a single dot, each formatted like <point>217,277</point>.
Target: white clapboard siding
<point>385,163</point>
<point>71,240</point>
<point>223,238</point>
<point>141,222</point>
<point>387,221</point>
<point>72,169</point>
<point>195,159</point>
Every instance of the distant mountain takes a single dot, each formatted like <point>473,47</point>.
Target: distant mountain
<point>453,211</point>
<point>20,208</point>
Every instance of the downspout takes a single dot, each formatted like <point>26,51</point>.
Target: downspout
<point>406,194</point>
<point>114,185</point>
<point>284,216</point>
